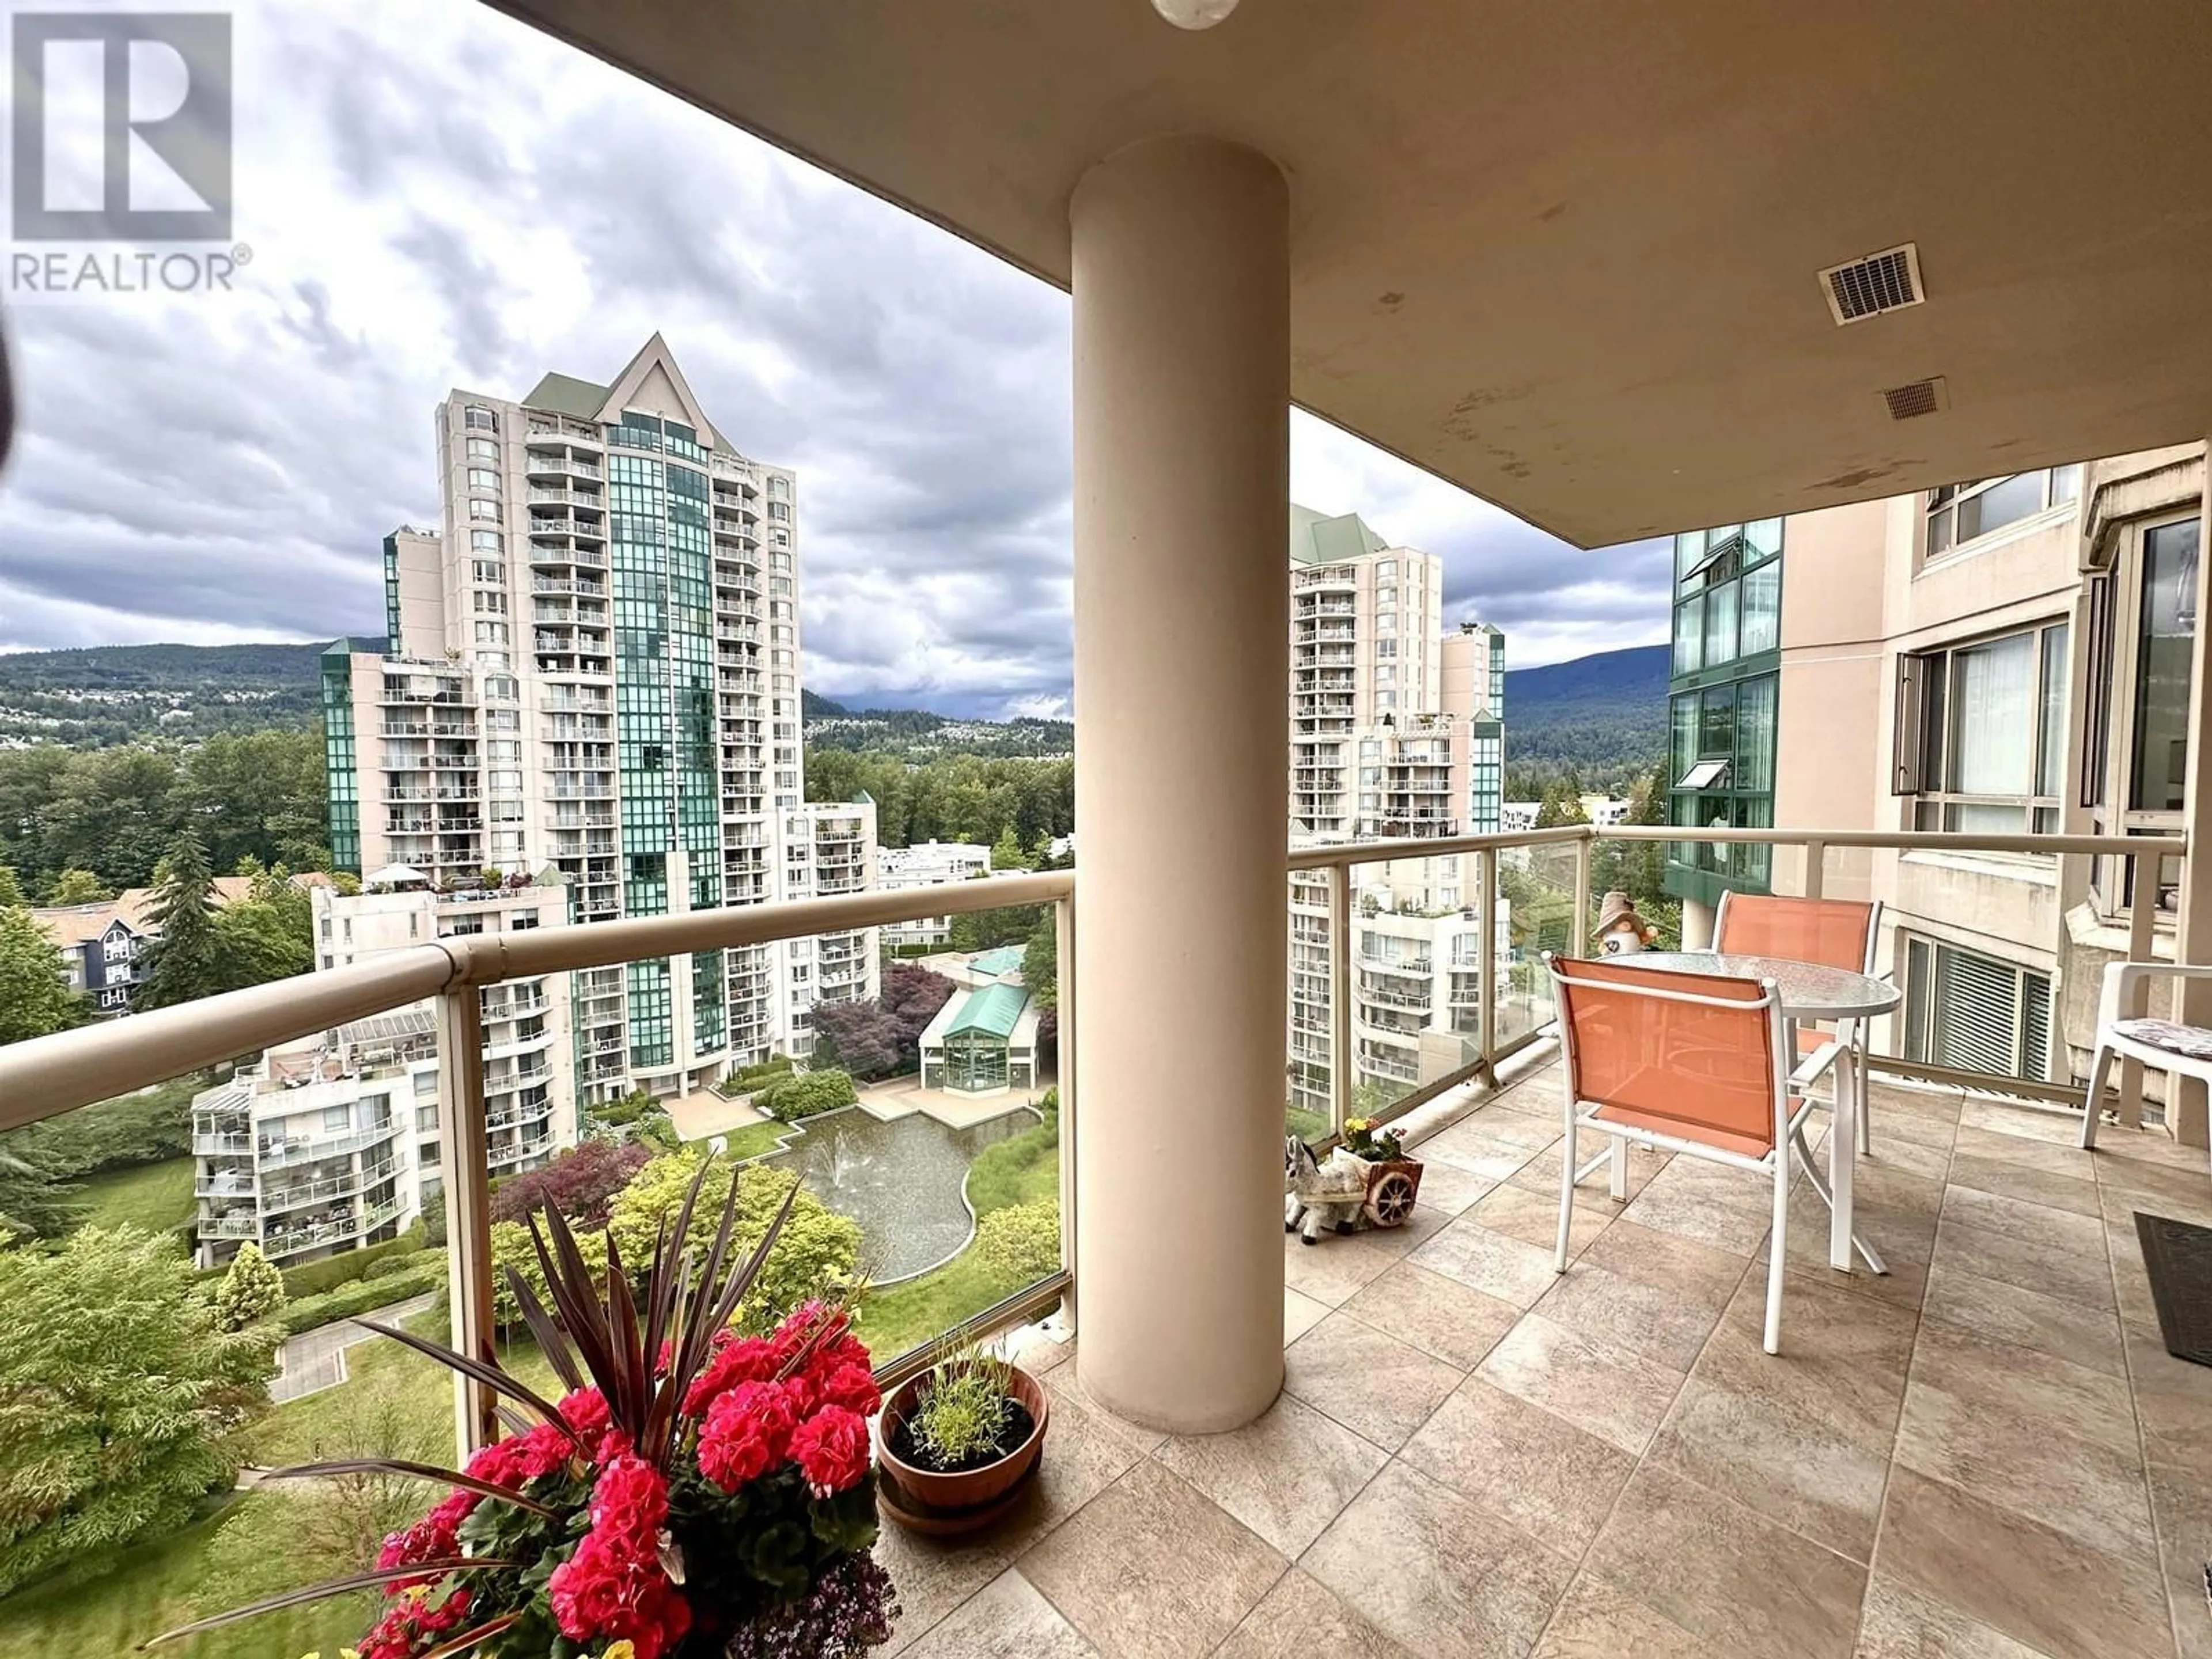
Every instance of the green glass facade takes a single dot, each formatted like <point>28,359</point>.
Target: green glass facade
<point>659,555</point>
<point>1721,699</point>
<point>339,753</point>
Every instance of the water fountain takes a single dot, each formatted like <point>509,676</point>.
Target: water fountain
<point>904,1182</point>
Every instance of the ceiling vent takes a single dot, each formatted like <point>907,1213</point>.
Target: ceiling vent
<point>1888,281</point>
<point>1918,397</point>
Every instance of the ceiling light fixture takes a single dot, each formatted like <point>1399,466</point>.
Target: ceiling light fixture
<point>1193,14</point>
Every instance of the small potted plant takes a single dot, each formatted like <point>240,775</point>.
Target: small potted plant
<point>960,1442</point>
<point>1393,1180</point>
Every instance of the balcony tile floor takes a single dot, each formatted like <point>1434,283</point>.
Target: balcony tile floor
<point>1985,1454</point>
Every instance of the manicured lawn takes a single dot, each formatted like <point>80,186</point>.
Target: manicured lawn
<point>754,1139</point>
<point>87,1613</point>
<point>390,1391</point>
<point>153,1196</point>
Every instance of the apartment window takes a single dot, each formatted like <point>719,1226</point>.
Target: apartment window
<point>490,572</point>
<point>779,489</point>
<point>1386,699</point>
<point>2166,619</point>
<point>478,418</point>
<point>483,478</point>
<point>483,449</point>
<point>1962,512</point>
<point>521,920</point>
<point>1981,733</point>
<point>1727,594</point>
<point>463,926</point>
<point>337,1120</point>
<point>486,541</point>
<point>1974,1011</point>
<point>491,603</point>
<point>480,509</point>
<point>1387,569</point>
<point>1386,648</point>
<point>779,511</point>
<point>491,633</point>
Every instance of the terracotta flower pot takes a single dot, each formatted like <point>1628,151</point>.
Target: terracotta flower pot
<point>930,1501</point>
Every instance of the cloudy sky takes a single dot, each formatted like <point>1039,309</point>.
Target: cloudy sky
<point>436,196</point>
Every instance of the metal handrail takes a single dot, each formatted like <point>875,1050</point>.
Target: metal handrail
<point>49,1075</point>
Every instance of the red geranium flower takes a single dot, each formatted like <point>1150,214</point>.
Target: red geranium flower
<point>831,1449</point>
<point>747,1432</point>
<point>748,1360</point>
<point>854,1387</point>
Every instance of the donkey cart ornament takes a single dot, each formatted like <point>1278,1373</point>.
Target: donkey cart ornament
<point>1317,1194</point>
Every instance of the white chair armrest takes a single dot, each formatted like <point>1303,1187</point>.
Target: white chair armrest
<point>2121,977</point>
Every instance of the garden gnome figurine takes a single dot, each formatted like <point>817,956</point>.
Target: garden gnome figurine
<point>1620,930</point>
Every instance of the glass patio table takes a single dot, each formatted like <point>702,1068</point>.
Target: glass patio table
<point>1811,991</point>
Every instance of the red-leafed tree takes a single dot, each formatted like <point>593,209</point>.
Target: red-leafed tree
<point>913,995</point>
<point>881,1036</point>
<point>582,1183</point>
<point>861,1037</point>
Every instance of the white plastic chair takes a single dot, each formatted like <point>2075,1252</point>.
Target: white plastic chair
<point>2168,1045</point>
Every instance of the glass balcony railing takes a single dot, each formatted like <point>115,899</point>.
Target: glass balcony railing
<point>1460,992</point>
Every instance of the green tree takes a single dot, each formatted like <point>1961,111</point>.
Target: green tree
<point>34,994</point>
<point>1040,962</point>
<point>123,1397</point>
<point>1006,853</point>
<point>259,942</point>
<point>818,1250</point>
<point>252,1291</point>
<point>11,889</point>
<point>190,959</point>
<point>1562,805</point>
<point>34,1198</point>
<point>78,887</point>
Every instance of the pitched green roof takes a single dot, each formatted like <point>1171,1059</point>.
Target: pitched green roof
<point>1316,538</point>
<point>1004,960</point>
<point>564,394</point>
<point>993,1010</point>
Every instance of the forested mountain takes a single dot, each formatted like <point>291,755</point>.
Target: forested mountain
<point>114,694</point>
<point>1603,718</point>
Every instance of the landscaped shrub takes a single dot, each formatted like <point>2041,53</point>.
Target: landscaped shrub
<point>746,1079</point>
<point>817,1251</point>
<point>317,1278</point>
<point>803,1094</point>
<point>423,1271</point>
<point>251,1291</point>
<point>1019,1245</point>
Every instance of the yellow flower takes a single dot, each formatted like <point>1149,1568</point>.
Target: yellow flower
<point>625,1648</point>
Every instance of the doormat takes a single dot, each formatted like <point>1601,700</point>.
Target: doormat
<point>2178,1255</point>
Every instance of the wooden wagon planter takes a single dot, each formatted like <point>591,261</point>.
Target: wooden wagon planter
<point>1392,1186</point>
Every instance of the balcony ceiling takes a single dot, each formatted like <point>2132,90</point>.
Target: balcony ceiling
<point>1564,253</point>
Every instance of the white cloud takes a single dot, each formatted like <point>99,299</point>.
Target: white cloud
<point>437,195</point>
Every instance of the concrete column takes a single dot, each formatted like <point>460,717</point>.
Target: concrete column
<point>2185,1114</point>
<point>1181,489</point>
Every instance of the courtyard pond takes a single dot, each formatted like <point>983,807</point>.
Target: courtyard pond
<point>903,1181</point>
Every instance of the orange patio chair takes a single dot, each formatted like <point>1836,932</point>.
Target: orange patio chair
<point>1693,1063</point>
<point>1835,933</point>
